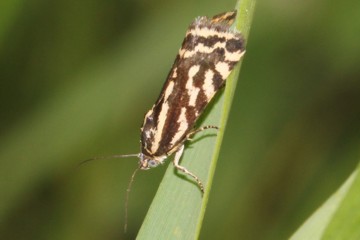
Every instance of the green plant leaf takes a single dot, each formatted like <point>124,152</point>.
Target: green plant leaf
<point>338,217</point>
<point>178,208</point>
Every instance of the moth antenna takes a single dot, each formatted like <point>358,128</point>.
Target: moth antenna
<point>127,198</point>
<point>108,157</point>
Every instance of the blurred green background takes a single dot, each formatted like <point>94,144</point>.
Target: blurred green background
<point>76,78</point>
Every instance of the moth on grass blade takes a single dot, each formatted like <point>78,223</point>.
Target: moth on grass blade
<point>208,54</point>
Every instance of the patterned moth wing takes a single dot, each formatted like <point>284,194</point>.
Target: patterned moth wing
<point>207,56</point>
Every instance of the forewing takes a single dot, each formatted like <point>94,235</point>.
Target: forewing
<point>208,54</point>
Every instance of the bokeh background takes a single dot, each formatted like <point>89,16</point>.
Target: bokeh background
<point>76,78</point>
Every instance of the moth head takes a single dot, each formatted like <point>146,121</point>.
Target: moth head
<point>147,162</point>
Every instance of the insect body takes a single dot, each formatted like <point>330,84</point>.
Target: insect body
<point>208,54</point>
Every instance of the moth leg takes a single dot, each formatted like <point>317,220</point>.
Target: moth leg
<point>176,161</point>
<point>195,131</point>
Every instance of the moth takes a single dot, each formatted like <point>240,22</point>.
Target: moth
<point>208,54</point>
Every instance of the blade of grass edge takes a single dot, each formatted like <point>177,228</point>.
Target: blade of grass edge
<point>315,226</point>
<point>245,9</point>
<point>178,208</point>
<point>345,222</point>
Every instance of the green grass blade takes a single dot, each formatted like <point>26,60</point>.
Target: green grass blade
<point>338,217</point>
<point>316,225</point>
<point>345,222</point>
<point>178,208</point>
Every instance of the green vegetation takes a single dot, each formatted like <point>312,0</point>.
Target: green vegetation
<point>77,78</point>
